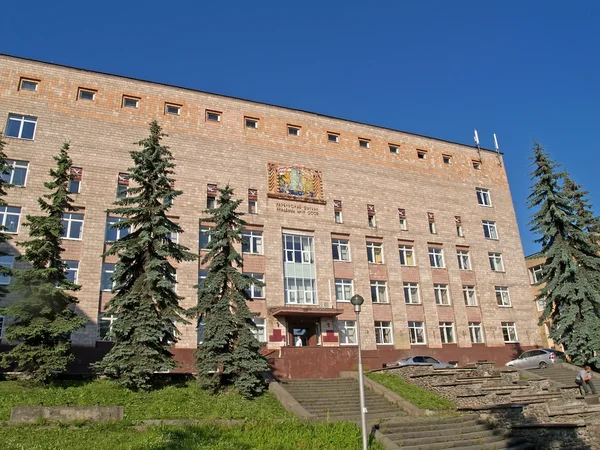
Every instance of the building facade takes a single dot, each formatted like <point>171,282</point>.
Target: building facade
<point>422,228</point>
<point>534,264</point>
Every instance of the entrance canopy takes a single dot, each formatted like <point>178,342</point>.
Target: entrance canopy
<point>298,311</point>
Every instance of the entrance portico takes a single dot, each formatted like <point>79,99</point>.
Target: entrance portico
<point>304,325</point>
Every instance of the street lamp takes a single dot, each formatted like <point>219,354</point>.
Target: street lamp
<point>357,301</point>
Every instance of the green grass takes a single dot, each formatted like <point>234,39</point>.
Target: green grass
<point>416,395</point>
<point>262,435</point>
<point>177,401</point>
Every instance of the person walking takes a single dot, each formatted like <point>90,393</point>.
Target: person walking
<point>584,381</point>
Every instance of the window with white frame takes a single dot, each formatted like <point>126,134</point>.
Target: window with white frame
<point>200,331</point>
<point>6,261</point>
<point>10,216</point>
<point>416,332</point>
<point>447,333</point>
<point>470,295</point>
<point>255,291</point>
<point>1,326</point>
<point>260,332</point>
<point>364,143</point>
<point>459,230</point>
<point>347,332</point>
<point>86,94</point>
<point>17,172</point>
<point>106,282</point>
<point>432,229</point>
<point>299,272</point>
<point>541,304</point>
<point>411,293</point>
<point>213,116</point>
<point>338,217</point>
<point>407,255</point>
<point>250,122</point>
<point>341,249</point>
<point>371,221</point>
<point>535,273</point>
<point>74,186</point>
<point>442,296</point>
<point>202,274</point>
<point>72,225</point>
<point>476,332</point>
<point>21,127</point>
<point>252,206</point>
<point>28,85</point>
<point>113,233</point>
<point>344,289</point>
<point>379,292</point>
<point>333,137</point>
<point>293,130</point>
<point>496,263</point>
<point>172,109</point>
<point>489,229</point>
<point>436,257</point>
<point>211,202</point>
<point>403,224</point>
<point>72,271</point>
<point>383,333</point>
<point>502,296</point>
<point>464,259</point>
<point>252,242</point>
<point>173,236</point>
<point>509,332</point>
<point>375,252</point>
<point>483,197</point>
<point>105,326</point>
<point>205,237</point>
<point>131,102</point>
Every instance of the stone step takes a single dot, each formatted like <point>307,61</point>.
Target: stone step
<point>345,404</point>
<point>351,410</point>
<point>371,417</point>
<point>408,427</point>
<point>444,442</point>
<point>467,428</point>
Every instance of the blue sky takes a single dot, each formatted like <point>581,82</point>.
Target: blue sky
<point>438,68</point>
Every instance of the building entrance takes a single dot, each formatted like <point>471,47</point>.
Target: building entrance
<point>303,333</point>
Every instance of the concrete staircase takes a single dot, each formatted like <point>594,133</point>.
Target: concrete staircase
<point>561,376</point>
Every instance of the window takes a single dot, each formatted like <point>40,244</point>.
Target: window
<point>340,249</point>
<point>252,242</point>
<point>496,263</point>
<point>383,333</point>
<point>407,255</point>
<point>172,109</point>
<point>459,231</point>
<point>205,237</point>
<point>72,271</point>
<point>250,122</point>
<point>333,137</point>
<point>6,261</point>
<point>86,94</point>
<point>17,172</point>
<point>337,216</point>
<point>105,326</point>
<point>347,332</point>
<point>364,143</point>
<point>469,295</point>
<point>436,257</point>
<point>464,259</point>
<point>106,283</point>
<point>394,149</point>
<point>344,290</point>
<point>541,304</point>
<point>260,332</point>
<point>371,221</point>
<point>173,236</point>
<point>502,296</point>
<point>131,102</point>
<point>121,190</point>
<point>509,332</point>
<point>113,234</point>
<point>375,252</point>
<point>442,297</point>
<point>213,116</point>
<point>255,291</point>
<point>28,85</point>
<point>200,331</point>
<point>10,216</point>
<point>403,224</point>
<point>421,154</point>
<point>21,127</point>
<point>483,197</point>
<point>476,165</point>
<point>211,202</point>
<point>416,332</point>
<point>202,274</point>
<point>293,130</point>
<point>379,292</point>
<point>447,332</point>
<point>252,206</point>
<point>74,186</point>
<point>299,274</point>
<point>1,326</point>
<point>535,274</point>
<point>411,294</point>
<point>475,332</point>
<point>489,229</point>
<point>447,159</point>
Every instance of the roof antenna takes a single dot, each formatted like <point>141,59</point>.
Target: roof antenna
<point>476,138</point>
<point>497,149</point>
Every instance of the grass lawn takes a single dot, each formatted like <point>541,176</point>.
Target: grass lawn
<point>177,401</point>
<point>416,395</point>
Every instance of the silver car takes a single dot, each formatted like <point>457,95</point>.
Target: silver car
<point>539,358</point>
<point>419,360</point>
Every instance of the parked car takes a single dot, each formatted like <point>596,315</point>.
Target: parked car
<point>411,360</point>
<point>538,358</point>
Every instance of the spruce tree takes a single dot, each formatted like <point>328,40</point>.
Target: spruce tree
<point>145,303</point>
<point>4,170</point>
<point>229,353</point>
<point>586,220</point>
<point>571,272</point>
<point>42,317</point>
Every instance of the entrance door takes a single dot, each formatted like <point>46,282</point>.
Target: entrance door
<point>303,333</point>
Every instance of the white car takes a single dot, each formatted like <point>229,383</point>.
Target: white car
<point>538,358</point>
<point>419,360</point>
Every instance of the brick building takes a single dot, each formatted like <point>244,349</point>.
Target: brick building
<point>534,265</point>
<point>424,229</point>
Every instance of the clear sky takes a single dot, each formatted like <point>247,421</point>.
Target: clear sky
<point>439,68</point>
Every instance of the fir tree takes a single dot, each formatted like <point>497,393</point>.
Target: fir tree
<point>145,303</point>
<point>4,170</point>
<point>586,220</point>
<point>42,317</point>
<point>229,353</point>
<point>571,273</point>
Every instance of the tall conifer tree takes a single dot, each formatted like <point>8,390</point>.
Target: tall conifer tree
<point>586,220</point>
<point>571,273</point>
<point>42,317</point>
<point>145,303</point>
<point>229,353</point>
<point>4,170</point>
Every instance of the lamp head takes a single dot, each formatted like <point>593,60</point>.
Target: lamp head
<point>357,301</point>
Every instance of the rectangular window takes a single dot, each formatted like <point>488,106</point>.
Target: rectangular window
<point>393,149</point>
<point>174,110</point>
<point>379,292</point>
<point>333,137</point>
<point>255,291</point>
<point>459,231</point>
<point>72,271</point>
<point>447,159</point>
<point>347,332</point>
<point>375,252</point>
<point>200,331</point>
<point>131,102</point>
<point>112,233</point>
<point>407,255</point>
<point>371,221</point>
<point>293,130</point>
<point>469,295</point>
<point>496,262</point>
<point>17,172</point>
<point>106,282</point>
<point>432,229</point>
<point>447,333</point>
<point>6,261</point>
<point>476,165</point>
<point>535,274</point>
<point>105,326</point>
<point>173,237</point>
<point>364,143</point>
<point>509,332</point>
<point>213,116</point>
<point>464,259</point>
<point>489,229</point>
<point>383,333</point>
<point>341,250</point>
<point>28,85</point>
<point>202,274</point>
<point>476,332</point>
<point>252,242</point>
<point>21,127</point>
<point>403,224</point>
<point>344,290</point>
<point>411,294</point>
<point>74,186</point>
<point>252,206</point>
<point>502,296</point>
<point>436,257</point>
<point>211,202</point>
<point>260,332</point>
<point>73,226</point>
<point>421,154</point>
<point>541,304</point>
<point>299,272</point>
<point>10,216</point>
<point>483,197</point>
<point>205,237</point>
<point>121,190</point>
<point>416,332</point>
<point>250,122</point>
<point>86,94</point>
<point>337,217</point>
<point>442,297</point>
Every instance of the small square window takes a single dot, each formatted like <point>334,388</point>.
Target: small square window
<point>293,130</point>
<point>86,94</point>
<point>394,149</point>
<point>174,110</point>
<point>333,137</point>
<point>213,116</point>
<point>476,165</point>
<point>28,85</point>
<point>421,154</point>
<point>447,159</point>
<point>364,143</point>
<point>251,123</point>
<point>131,102</point>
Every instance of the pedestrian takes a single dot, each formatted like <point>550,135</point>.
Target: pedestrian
<point>298,341</point>
<point>584,381</point>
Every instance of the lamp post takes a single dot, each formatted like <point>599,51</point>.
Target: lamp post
<point>357,301</point>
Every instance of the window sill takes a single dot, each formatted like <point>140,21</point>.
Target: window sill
<point>19,138</point>
<point>348,345</point>
<point>413,304</point>
<point>444,305</point>
<point>380,303</point>
<point>419,343</point>
<point>379,343</point>
<point>511,342</point>
<point>504,306</point>
<point>342,260</point>
<point>472,306</point>
<point>377,264</point>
